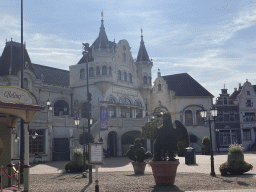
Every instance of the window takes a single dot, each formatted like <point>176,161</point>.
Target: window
<point>124,48</point>
<point>118,75</point>
<point>111,100</point>
<point>249,116</point>
<point>37,145</point>
<point>248,93</point>
<point>91,72</point>
<point>225,101</point>
<point>224,137</point>
<point>145,80</point>
<point>97,70</point>
<point>139,113</point>
<point>249,103</point>
<point>110,71</point>
<point>246,134</point>
<point>199,119</point>
<point>226,117</point>
<point>137,103</point>
<point>104,70</point>
<point>126,112</point>
<point>125,76</point>
<point>111,111</point>
<point>82,74</point>
<point>61,108</point>
<point>188,117</point>
<point>124,57</point>
<point>25,83</point>
<point>130,77</point>
<point>125,101</point>
<point>159,87</point>
<point>149,80</point>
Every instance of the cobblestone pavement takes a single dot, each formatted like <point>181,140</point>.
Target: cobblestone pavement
<point>117,175</point>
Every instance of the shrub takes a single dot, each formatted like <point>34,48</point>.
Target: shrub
<point>137,153</point>
<point>193,138</point>
<point>183,138</point>
<point>76,165</point>
<point>206,148</point>
<point>85,138</point>
<point>235,164</point>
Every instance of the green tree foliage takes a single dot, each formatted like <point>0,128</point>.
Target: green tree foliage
<point>76,165</point>
<point>206,146</point>
<point>183,138</point>
<point>149,130</point>
<point>85,138</point>
<point>137,153</point>
<point>165,145</point>
<point>193,138</point>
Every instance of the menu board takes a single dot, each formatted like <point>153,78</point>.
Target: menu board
<point>96,153</point>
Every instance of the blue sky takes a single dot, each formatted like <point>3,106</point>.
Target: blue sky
<point>213,41</point>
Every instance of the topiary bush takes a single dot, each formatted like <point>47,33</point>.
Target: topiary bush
<point>193,138</point>
<point>206,146</point>
<point>235,164</point>
<point>76,165</point>
<point>183,138</point>
<point>137,153</point>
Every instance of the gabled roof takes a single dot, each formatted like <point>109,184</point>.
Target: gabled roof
<point>184,85</point>
<point>10,59</point>
<point>142,54</point>
<point>52,76</point>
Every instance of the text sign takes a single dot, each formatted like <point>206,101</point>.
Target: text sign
<point>125,91</point>
<point>15,95</point>
<point>96,153</point>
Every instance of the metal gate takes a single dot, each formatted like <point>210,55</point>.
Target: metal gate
<point>61,150</point>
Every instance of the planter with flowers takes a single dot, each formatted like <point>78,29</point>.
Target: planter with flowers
<point>235,164</point>
<point>138,154</point>
<point>163,164</point>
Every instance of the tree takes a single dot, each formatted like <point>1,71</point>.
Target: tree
<point>183,138</point>
<point>85,138</point>
<point>149,130</point>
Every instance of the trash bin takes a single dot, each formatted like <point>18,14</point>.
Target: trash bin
<point>190,156</point>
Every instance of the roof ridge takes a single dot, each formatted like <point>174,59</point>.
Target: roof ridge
<point>49,67</point>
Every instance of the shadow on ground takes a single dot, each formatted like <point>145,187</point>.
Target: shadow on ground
<point>166,188</point>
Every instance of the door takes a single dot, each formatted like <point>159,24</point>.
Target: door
<point>61,150</point>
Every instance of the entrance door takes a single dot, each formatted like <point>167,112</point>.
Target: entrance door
<point>61,150</point>
<point>112,144</point>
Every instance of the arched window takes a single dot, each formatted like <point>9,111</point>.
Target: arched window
<point>149,80</point>
<point>145,80</point>
<point>125,76</point>
<point>124,57</point>
<point>111,100</point>
<point>125,101</point>
<point>130,77</point>
<point>25,83</point>
<point>91,72</point>
<point>61,108</point>
<point>111,108</point>
<point>82,74</point>
<point>159,87</point>
<point>137,103</point>
<point>188,117</point>
<point>199,119</point>
<point>225,101</point>
<point>118,75</point>
<point>97,70</point>
<point>110,70</point>
<point>104,70</point>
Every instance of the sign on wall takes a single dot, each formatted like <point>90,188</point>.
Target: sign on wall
<point>15,95</point>
<point>125,91</point>
<point>103,115</point>
<point>96,153</point>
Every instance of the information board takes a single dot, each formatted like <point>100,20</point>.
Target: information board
<point>96,153</point>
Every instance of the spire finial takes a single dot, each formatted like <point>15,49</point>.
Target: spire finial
<point>102,14</point>
<point>224,86</point>
<point>141,30</point>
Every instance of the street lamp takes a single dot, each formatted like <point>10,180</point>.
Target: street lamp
<point>77,121</point>
<point>214,113</point>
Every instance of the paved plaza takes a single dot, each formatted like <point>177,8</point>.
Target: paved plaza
<point>117,175</point>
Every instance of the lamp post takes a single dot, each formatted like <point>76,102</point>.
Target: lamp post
<point>203,113</point>
<point>77,121</point>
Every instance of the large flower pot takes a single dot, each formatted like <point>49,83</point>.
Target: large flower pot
<point>164,171</point>
<point>139,167</point>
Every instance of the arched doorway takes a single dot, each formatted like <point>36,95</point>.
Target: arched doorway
<point>61,108</point>
<point>128,139</point>
<point>112,143</point>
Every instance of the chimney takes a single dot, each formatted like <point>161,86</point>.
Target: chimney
<point>158,73</point>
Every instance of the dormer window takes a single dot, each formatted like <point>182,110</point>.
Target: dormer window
<point>248,93</point>
<point>25,83</point>
<point>97,70</point>
<point>82,74</point>
<point>124,57</point>
<point>225,101</point>
<point>159,87</point>
<point>145,80</point>
<point>104,70</point>
<point>118,75</point>
<point>91,72</point>
<point>125,76</point>
<point>249,103</point>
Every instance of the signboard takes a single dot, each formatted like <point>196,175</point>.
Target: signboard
<point>104,115</point>
<point>96,153</point>
<point>125,91</point>
<point>15,95</point>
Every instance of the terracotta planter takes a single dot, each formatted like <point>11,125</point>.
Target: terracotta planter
<point>139,167</point>
<point>164,171</point>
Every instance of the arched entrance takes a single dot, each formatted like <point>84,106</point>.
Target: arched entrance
<point>112,143</point>
<point>128,139</point>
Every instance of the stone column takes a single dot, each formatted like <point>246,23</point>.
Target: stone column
<point>119,147</point>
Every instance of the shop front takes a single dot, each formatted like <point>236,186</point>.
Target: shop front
<point>15,104</point>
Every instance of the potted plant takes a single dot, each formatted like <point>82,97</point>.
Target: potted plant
<point>163,164</point>
<point>138,154</point>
